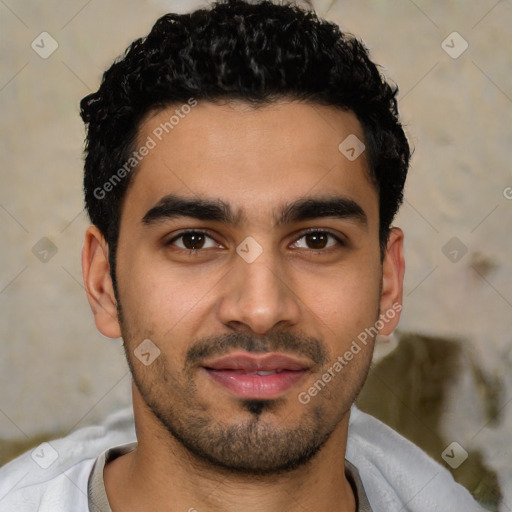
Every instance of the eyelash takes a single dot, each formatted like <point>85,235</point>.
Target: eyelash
<point>339,241</point>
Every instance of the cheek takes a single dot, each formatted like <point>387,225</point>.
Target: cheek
<point>346,300</point>
<point>161,302</point>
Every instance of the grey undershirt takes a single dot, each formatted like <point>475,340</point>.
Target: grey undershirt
<point>98,500</point>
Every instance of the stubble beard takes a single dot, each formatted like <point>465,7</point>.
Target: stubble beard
<point>257,445</point>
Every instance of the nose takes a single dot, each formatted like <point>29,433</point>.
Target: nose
<point>258,297</point>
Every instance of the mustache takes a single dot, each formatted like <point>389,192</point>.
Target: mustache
<point>273,342</point>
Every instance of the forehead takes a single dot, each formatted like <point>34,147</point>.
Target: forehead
<point>253,158</point>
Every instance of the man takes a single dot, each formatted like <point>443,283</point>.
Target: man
<point>244,164</point>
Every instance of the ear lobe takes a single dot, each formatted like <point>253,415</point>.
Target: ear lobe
<point>98,283</point>
<point>393,268</point>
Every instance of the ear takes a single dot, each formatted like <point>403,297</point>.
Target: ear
<point>393,268</point>
<point>98,283</point>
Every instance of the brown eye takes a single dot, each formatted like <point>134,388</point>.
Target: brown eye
<point>317,240</point>
<point>193,241</point>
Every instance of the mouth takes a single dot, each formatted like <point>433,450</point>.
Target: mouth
<point>257,376</point>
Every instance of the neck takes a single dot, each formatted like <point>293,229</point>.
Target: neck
<point>177,480</point>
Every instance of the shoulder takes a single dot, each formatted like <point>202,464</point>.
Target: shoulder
<point>398,473</point>
<point>22,490</point>
<point>53,477</point>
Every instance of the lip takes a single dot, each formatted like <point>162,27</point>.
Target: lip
<point>245,375</point>
<point>258,362</point>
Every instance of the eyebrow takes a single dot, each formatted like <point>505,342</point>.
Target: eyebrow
<point>173,206</point>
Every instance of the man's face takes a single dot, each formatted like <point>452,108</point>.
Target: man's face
<point>249,255</point>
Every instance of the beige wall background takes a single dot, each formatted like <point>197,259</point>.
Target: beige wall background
<point>58,373</point>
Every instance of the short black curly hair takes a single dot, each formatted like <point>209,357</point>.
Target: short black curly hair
<point>255,52</point>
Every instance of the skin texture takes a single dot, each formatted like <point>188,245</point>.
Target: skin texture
<point>200,447</point>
